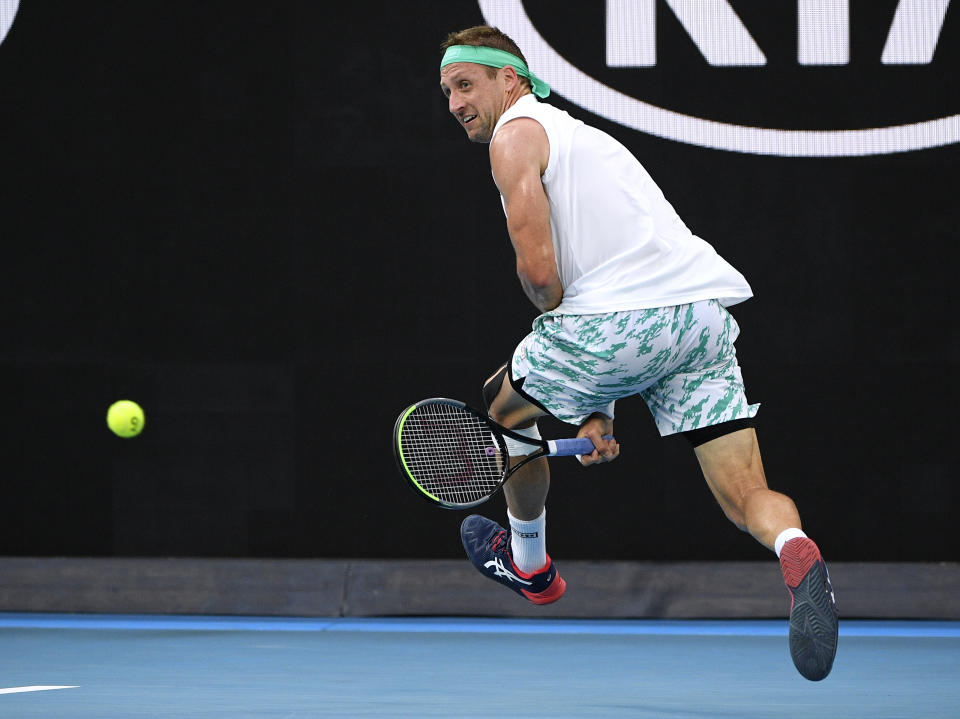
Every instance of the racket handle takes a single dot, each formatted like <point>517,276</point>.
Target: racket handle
<point>570,447</point>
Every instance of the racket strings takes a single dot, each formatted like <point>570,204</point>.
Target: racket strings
<point>451,453</point>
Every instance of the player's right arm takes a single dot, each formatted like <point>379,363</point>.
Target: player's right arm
<point>518,156</point>
<point>598,426</point>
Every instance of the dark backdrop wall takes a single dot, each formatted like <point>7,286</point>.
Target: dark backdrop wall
<point>259,221</point>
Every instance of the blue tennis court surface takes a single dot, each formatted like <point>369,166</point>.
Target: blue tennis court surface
<point>176,666</point>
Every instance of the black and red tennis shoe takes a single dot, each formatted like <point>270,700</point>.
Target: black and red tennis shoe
<point>813,608</point>
<point>488,546</point>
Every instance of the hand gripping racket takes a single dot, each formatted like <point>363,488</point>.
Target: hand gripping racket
<point>456,457</point>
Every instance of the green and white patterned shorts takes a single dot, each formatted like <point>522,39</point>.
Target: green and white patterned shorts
<point>680,359</point>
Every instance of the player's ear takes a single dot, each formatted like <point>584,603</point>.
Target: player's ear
<point>511,79</point>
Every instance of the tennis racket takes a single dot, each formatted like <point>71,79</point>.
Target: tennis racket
<point>456,457</point>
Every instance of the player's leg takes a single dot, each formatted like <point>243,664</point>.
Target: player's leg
<point>516,557</point>
<point>526,491</point>
<point>706,400</point>
<point>547,375</point>
<point>703,396</point>
<point>733,469</point>
<point>734,472</point>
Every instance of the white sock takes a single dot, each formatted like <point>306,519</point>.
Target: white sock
<point>528,541</point>
<point>785,536</point>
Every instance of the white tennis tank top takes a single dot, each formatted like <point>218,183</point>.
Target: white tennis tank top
<point>618,242</point>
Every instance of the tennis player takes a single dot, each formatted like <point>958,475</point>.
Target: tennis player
<point>631,302</point>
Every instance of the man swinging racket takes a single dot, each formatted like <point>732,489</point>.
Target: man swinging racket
<point>632,303</point>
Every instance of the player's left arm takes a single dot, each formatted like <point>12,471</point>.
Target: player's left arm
<point>518,157</point>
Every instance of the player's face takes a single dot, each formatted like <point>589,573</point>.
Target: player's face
<point>474,98</point>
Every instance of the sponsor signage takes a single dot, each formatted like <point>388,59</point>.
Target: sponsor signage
<point>817,75</point>
<point>8,10</point>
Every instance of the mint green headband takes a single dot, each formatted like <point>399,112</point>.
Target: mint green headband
<point>482,55</point>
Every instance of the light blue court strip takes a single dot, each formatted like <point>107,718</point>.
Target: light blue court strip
<point>640,627</point>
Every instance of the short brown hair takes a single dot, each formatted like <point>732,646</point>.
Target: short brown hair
<point>487,37</point>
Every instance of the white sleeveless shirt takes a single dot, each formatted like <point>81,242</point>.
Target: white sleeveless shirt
<point>618,242</point>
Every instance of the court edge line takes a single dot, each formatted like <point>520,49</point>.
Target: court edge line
<point>35,688</point>
<point>474,625</point>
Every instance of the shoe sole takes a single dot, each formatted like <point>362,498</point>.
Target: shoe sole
<point>551,594</point>
<point>813,624</point>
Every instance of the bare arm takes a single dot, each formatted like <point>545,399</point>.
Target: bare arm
<point>596,427</point>
<point>518,157</point>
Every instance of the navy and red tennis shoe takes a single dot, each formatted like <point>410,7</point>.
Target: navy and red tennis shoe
<point>813,608</point>
<point>488,546</point>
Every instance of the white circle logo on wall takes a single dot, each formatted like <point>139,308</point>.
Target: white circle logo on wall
<point>8,9</point>
<point>723,40</point>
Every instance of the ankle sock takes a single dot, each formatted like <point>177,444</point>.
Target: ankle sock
<point>528,542</point>
<point>785,536</point>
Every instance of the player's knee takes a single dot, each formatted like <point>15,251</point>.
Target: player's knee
<point>746,507</point>
<point>519,448</point>
<point>491,388</point>
<point>508,409</point>
<point>767,509</point>
<point>736,515</point>
<point>757,508</point>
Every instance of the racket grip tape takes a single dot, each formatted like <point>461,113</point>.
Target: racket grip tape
<point>571,447</point>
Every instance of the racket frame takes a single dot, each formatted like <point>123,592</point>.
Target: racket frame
<point>541,449</point>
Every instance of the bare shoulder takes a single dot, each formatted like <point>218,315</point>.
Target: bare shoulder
<point>522,140</point>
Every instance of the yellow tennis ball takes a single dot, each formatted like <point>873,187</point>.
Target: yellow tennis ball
<point>125,418</point>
